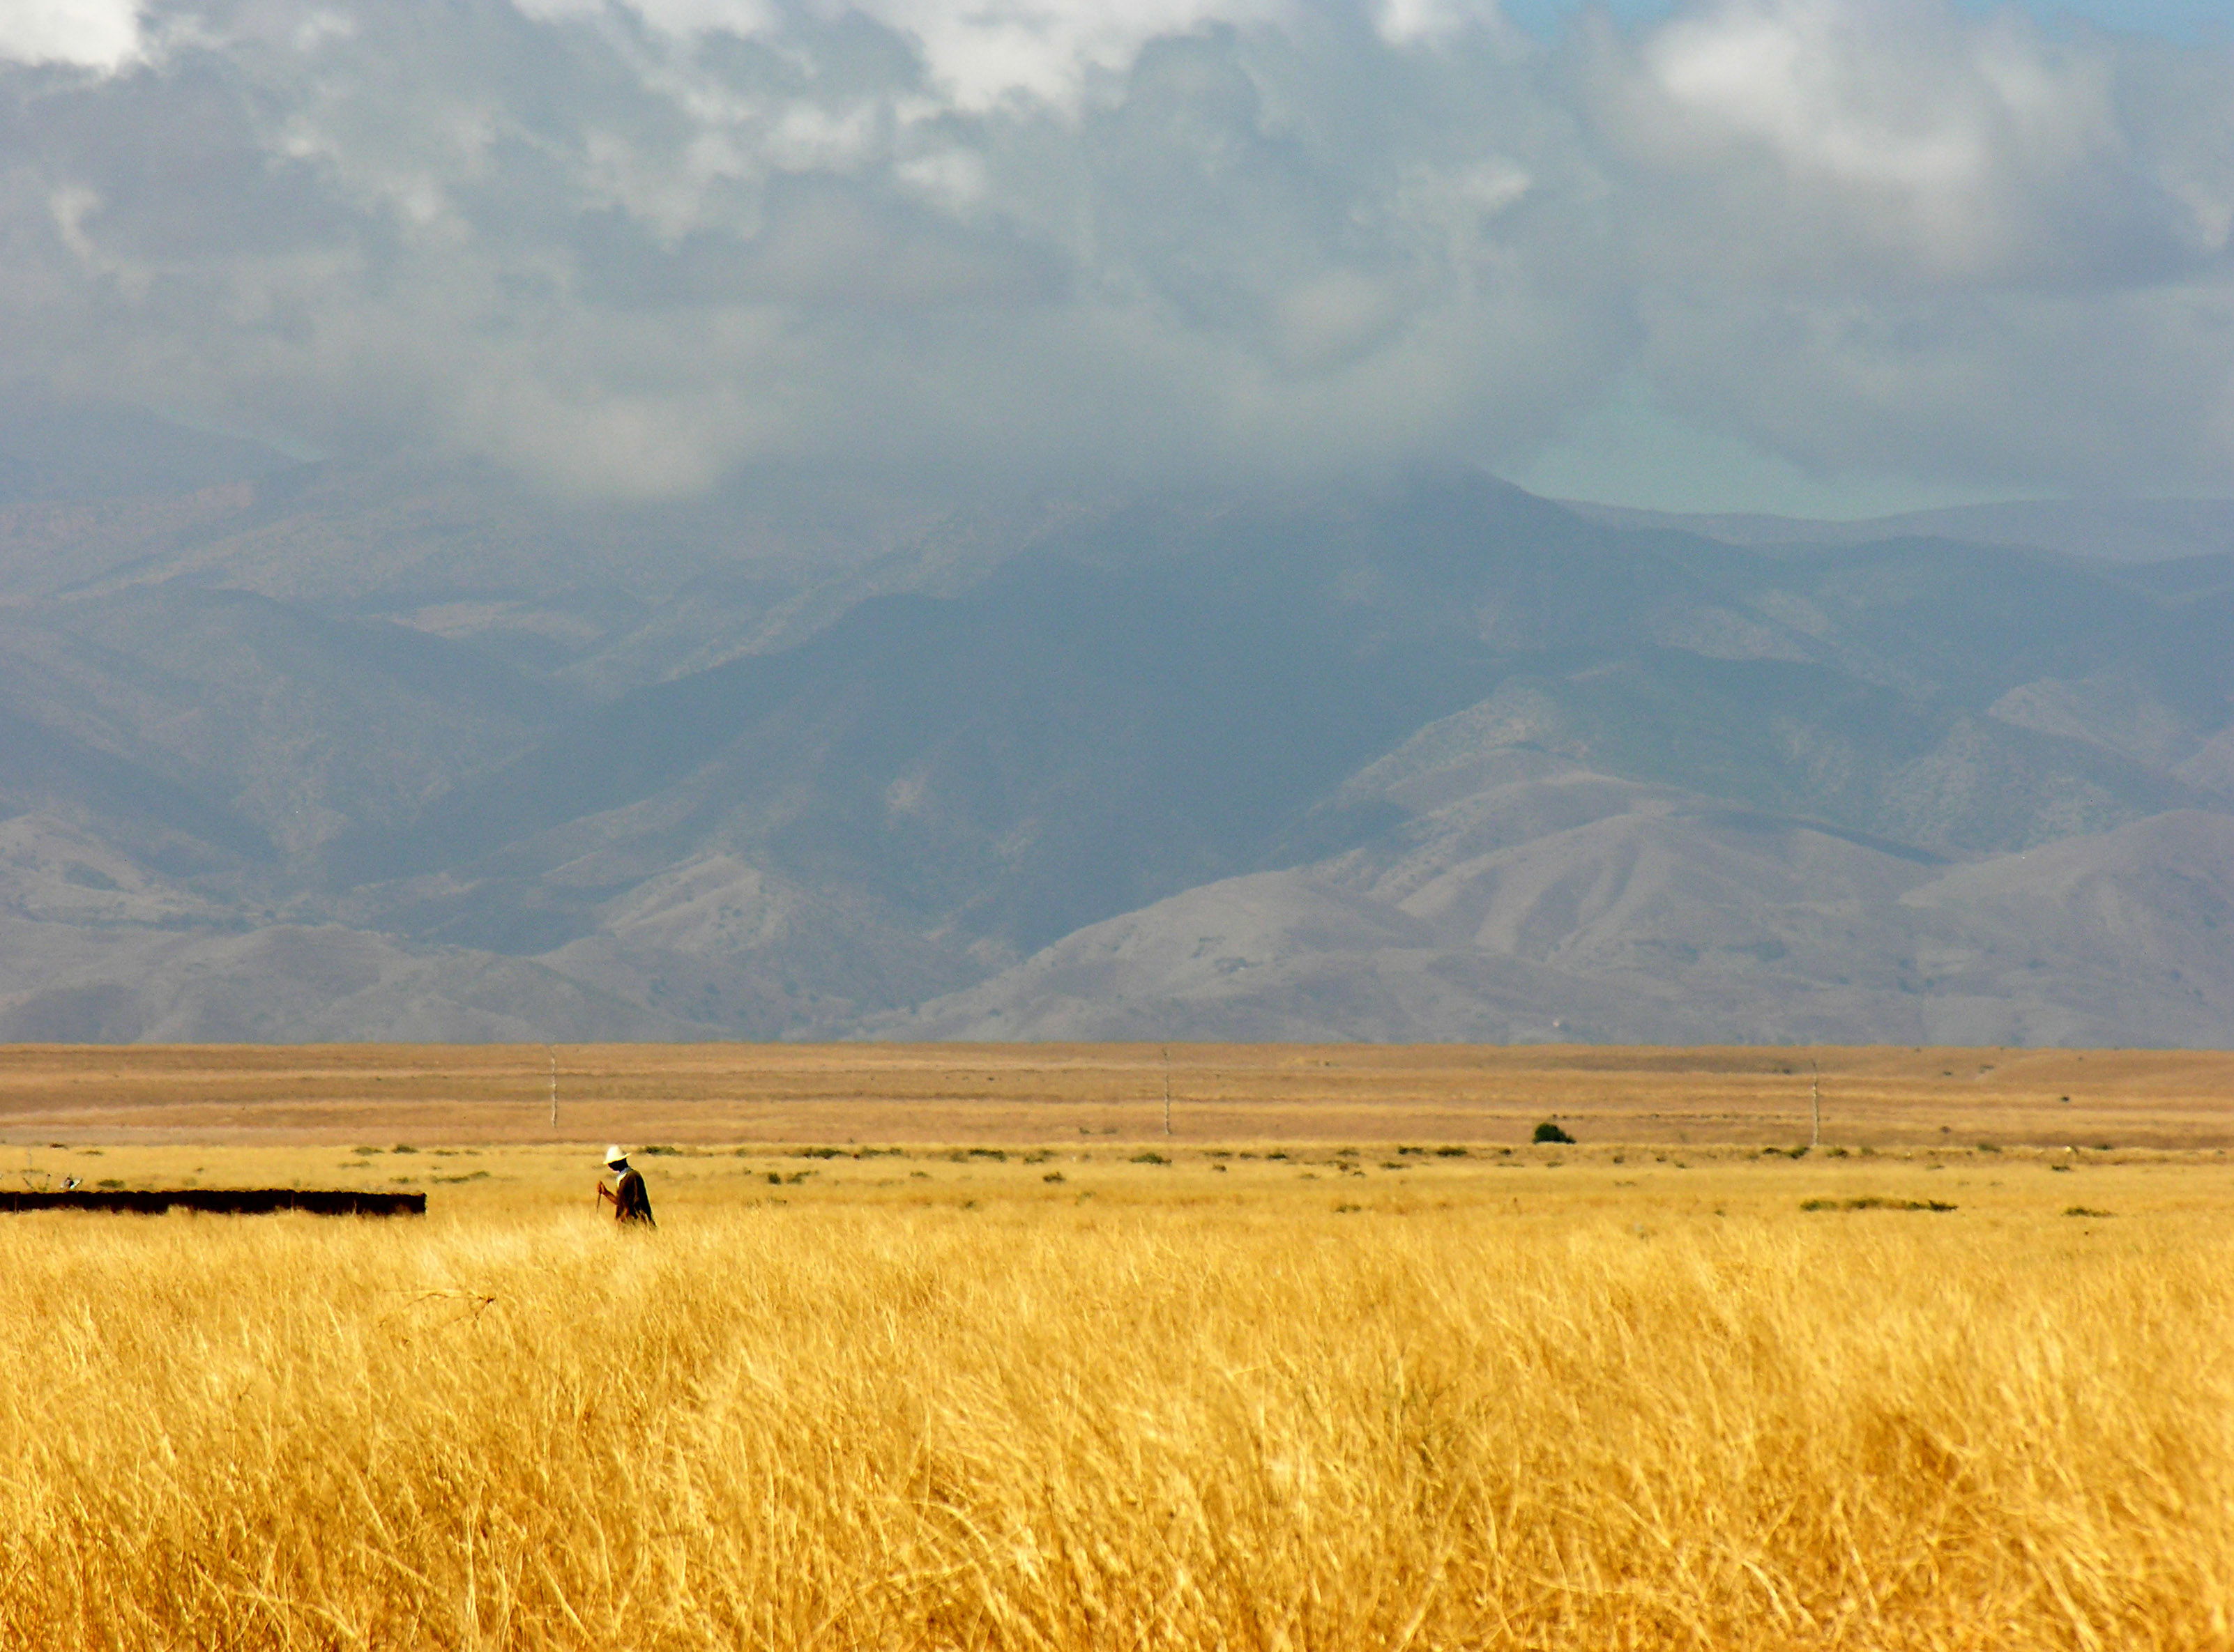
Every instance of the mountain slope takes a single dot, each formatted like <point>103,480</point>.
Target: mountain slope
<point>1440,761</point>
<point>1659,923</point>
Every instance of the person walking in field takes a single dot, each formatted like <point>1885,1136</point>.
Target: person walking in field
<point>627,1196</point>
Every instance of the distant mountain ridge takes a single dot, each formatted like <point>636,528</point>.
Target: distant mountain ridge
<point>336,752</point>
<point>2123,531</point>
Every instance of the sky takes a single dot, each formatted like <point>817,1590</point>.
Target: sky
<point>1821,257</point>
<point>2179,20</point>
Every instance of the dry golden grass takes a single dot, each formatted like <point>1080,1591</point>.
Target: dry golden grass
<point>1016,1092</point>
<point>1590,1398</point>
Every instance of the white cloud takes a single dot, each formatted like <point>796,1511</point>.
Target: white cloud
<point>984,52</point>
<point>629,248</point>
<point>1937,140</point>
<point>1405,22</point>
<point>1892,236</point>
<point>1796,79</point>
<point>978,52</point>
<point>89,34</point>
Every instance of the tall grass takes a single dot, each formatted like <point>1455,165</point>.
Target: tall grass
<point>880,1427</point>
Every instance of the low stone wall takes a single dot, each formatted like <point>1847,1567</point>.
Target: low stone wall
<point>223,1201</point>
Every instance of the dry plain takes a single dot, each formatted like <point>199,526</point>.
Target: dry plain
<point>955,1348</point>
<point>1018,1093</point>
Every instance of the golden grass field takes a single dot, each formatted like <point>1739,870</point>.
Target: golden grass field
<point>1303,1385</point>
<point>1026,1092</point>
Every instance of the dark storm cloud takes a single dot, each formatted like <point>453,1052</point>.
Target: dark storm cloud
<point>628,249</point>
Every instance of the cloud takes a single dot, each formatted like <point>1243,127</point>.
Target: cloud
<point>85,34</point>
<point>632,248</point>
<point>1893,236</point>
<point>1897,140</point>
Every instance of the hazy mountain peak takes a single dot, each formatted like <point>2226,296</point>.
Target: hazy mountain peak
<point>1434,758</point>
<point>58,447</point>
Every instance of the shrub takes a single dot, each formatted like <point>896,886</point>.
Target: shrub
<point>1549,1132</point>
<point>1872,1203</point>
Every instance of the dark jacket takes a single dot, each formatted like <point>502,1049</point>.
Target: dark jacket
<point>631,1202</point>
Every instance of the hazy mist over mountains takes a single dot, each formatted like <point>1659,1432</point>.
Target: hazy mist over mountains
<point>333,751</point>
<point>695,519</point>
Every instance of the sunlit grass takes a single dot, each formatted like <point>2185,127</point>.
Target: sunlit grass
<point>936,1399</point>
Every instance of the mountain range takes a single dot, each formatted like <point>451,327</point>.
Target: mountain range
<point>310,751</point>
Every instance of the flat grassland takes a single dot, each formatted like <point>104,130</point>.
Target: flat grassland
<point>1311,1372</point>
<point>1042,1093</point>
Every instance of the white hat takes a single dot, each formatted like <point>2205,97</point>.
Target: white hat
<point>615,1156</point>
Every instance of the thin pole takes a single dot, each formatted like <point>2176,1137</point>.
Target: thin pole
<point>1815,1103</point>
<point>1167,1089</point>
<point>553,1054</point>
